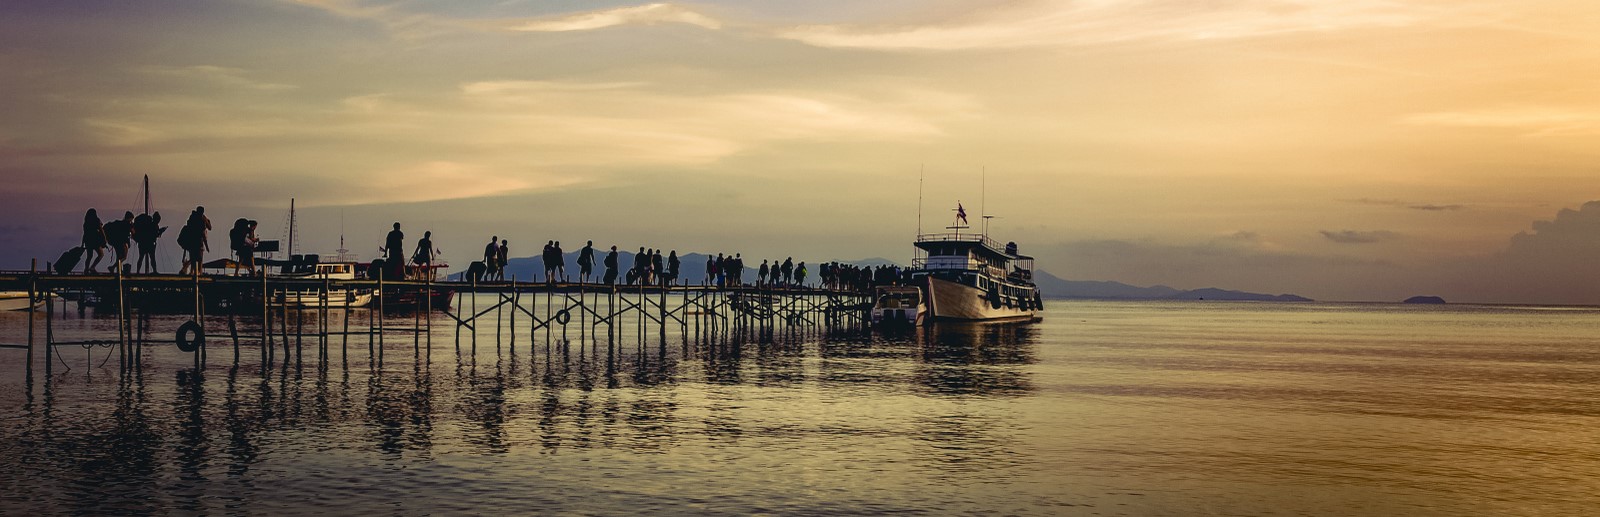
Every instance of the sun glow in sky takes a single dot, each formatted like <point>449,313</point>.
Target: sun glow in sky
<point>1363,149</point>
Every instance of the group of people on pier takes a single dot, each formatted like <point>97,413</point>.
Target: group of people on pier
<point>140,233</point>
<point>650,267</point>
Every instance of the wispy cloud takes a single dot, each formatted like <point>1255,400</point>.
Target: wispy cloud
<point>216,75</point>
<point>642,14</point>
<point>1067,23</point>
<point>1531,120</point>
<point>1400,203</point>
<point>1358,237</point>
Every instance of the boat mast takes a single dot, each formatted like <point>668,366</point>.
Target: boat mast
<point>291,227</point>
<point>147,193</point>
<point>983,196</point>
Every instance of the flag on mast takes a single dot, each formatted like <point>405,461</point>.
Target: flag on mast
<point>961,213</point>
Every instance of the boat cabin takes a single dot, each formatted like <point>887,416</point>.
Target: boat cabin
<point>974,260</point>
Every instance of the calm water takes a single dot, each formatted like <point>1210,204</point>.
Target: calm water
<point>1103,408</point>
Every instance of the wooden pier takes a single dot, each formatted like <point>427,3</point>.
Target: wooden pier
<point>521,313</point>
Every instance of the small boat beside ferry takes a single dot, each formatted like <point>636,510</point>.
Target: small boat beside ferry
<point>898,305</point>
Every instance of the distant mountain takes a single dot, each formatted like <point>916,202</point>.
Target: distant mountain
<point>1055,287</point>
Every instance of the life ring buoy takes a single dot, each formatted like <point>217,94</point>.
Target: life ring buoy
<point>187,344</point>
<point>563,316</point>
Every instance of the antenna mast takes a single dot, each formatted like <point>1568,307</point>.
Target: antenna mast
<point>983,196</point>
<point>291,227</point>
<point>147,193</point>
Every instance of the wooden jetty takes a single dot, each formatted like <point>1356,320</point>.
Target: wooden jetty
<point>598,312</point>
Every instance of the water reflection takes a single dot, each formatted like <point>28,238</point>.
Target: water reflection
<point>219,438</point>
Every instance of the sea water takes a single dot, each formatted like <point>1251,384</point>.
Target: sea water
<point>1101,408</point>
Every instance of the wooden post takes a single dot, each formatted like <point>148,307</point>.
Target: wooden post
<point>380,317</point>
<point>516,305</point>
<point>122,336</point>
<point>33,293</point>
<point>197,315</point>
<point>266,321</point>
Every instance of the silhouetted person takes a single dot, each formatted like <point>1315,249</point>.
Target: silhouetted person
<point>761,274</point>
<point>94,241</point>
<point>193,240</point>
<point>711,270</point>
<point>491,258</point>
<point>119,235</point>
<point>800,274</point>
<point>658,271</point>
<point>425,252</point>
<point>561,261</point>
<point>611,267</point>
<point>146,230</point>
<point>549,261</point>
<point>641,266</point>
<point>788,270</point>
<point>585,261</point>
<point>248,254</point>
<point>672,267</point>
<point>394,245</point>
<point>501,258</point>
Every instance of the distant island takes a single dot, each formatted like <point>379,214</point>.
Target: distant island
<point>1433,300</point>
<point>1055,287</point>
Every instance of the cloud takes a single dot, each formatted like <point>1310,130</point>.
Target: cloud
<point>647,14</point>
<point>1554,262</point>
<point>216,75</point>
<point>1531,121</point>
<point>1062,23</point>
<point>1426,207</point>
<point>1358,237</point>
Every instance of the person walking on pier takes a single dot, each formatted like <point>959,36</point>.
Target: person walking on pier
<point>146,229</point>
<point>502,256</point>
<point>585,262</point>
<point>611,267</point>
<point>491,254</point>
<point>641,265</point>
<point>800,274</point>
<point>788,271</point>
<point>119,235</point>
<point>94,241</point>
<point>672,267</point>
<point>549,262</point>
<point>192,239</point>
<point>561,261</point>
<point>736,272</point>
<point>761,274</point>
<point>658,274</point>
<point>425,252</point>
<point>711,270</point>
<point>394,246</point>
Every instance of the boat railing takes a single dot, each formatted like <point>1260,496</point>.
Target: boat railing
<point>961,237</point>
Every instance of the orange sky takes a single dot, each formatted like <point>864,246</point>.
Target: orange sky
<point>1341,150</point>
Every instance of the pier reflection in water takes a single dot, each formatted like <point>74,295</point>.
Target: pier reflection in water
<point>720,421</point>
<point>1103,408</point>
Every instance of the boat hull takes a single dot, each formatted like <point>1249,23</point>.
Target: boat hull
<point>18,301</point>
<point>950,301</point>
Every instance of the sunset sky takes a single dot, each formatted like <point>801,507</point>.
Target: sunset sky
<point>1349,150</point>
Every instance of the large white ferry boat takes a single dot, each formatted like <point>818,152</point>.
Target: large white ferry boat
<point>970,277</point>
